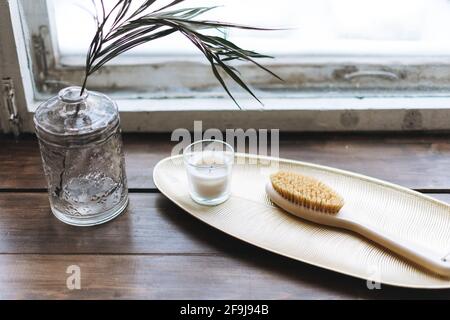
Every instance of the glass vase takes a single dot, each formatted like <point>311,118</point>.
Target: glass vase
<point>81,148</point>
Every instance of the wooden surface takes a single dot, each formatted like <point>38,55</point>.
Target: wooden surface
<point>157,251</point>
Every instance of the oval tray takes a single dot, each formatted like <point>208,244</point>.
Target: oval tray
<point>250,216</point>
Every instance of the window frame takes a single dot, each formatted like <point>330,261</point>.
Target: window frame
<point>288,112</point>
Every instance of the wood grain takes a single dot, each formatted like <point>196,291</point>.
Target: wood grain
<point>156,251</point>
<point>182,277</point>
<point>414,161</point>
<point>151,224</point>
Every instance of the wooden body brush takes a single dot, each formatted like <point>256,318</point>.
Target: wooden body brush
<point>312,200</point>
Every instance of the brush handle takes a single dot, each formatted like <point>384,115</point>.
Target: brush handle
<point>412,251</point>
<point>405,248</point>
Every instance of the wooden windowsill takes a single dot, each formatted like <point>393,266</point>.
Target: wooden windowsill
<point>155,251</point>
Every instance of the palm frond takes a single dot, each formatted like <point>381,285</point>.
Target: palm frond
<point>122,29</point>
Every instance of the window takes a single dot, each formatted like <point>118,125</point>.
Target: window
<point>376,61</point>
<point>362,47</point>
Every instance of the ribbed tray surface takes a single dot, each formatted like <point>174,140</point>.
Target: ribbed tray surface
<point>250,216</point>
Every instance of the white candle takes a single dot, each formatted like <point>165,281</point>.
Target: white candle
<point>209,184</point>
<point>209,177</point>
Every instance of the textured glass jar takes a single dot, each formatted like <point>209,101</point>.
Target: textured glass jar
<point>81,149</point>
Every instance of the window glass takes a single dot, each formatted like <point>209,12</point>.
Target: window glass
<point>319,27</point>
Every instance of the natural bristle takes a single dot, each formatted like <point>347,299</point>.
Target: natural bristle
<point>307,192</point>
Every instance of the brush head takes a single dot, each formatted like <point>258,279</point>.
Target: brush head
<point>306,192</point>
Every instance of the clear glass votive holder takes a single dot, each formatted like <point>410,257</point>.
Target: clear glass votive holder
<point>209,165</point>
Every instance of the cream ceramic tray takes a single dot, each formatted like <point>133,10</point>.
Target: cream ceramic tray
<point>250,216</point>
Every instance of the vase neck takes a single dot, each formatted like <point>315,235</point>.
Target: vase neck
<point>73,100</point>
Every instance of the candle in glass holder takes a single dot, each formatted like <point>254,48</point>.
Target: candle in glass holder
<point>209,165</point>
